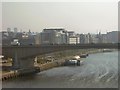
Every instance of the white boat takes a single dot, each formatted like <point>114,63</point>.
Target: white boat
<point>77,57</point>
<point>73,62</point>
<point>107,50</point>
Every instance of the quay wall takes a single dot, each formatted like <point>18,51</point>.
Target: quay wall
<point>50,65</point>
<point>9,75</point>
<point>20,73</point>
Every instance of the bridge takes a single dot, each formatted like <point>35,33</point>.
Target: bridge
<point>23,56</point>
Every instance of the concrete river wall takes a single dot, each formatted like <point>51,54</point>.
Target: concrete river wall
<point>42,67</point>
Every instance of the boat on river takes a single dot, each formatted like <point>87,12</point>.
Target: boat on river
<point>73,62</point>
<point>107,50</point>
<point>83,55</point>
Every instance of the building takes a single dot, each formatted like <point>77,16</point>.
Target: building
<point>27,39</point>
<point>53,36</point>
<point>112,37</point>
<point>87,38</point>
<point>74,39</point>
<point>82,38</point>
<point>37,39</point>
<point>104,38</point>
<point>94,38</point>
<point>99,37</point>
<point>24,38</point>
<point>7,37</point>
<point>71,33</point>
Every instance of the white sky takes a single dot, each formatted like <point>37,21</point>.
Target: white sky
<point>81,17</point>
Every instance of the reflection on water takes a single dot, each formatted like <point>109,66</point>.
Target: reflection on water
<point>98,71</point>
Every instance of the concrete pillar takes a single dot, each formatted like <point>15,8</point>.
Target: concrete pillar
<point>26,66</point>
<point>15,62</point>
<point>26,63</point>
<point>21,63</point>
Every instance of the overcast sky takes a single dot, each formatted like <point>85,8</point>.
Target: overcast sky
<point>81,17</point>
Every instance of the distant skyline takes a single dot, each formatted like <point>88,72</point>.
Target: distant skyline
<point>81,17</point>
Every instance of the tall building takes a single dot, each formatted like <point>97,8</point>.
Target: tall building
<point>90,38</point>
<point>87,38</point>
<point>100,37</point>
<point>112,37</point>
<point>82,38</point>
<point>53,36</point>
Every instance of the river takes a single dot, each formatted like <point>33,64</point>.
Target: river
<point>99,70</point>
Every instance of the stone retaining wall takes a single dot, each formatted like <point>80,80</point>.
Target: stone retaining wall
<point>51,65</point>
